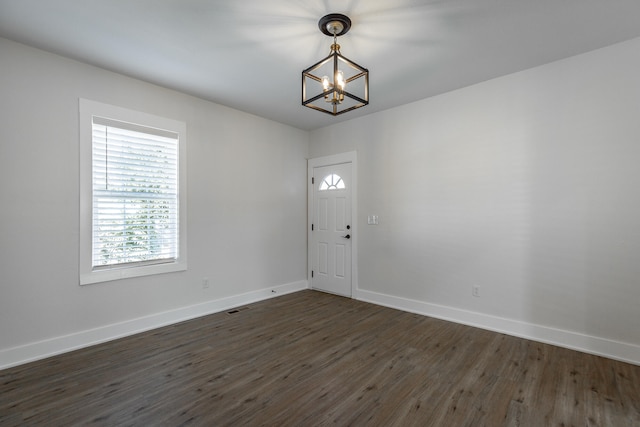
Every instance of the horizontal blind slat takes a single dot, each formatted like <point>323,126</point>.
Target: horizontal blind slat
<point>124,127</point>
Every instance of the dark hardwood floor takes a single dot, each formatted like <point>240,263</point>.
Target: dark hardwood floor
<point>313,359</point>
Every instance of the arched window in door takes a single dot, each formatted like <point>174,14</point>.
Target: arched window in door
<point>332,182</point>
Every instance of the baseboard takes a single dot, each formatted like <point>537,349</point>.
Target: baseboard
<point>624,352</point>
<point>51,347</point>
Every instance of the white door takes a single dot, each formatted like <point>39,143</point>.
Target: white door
<point>332,232</point>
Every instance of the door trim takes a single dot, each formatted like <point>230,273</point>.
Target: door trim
<point>348,157</point>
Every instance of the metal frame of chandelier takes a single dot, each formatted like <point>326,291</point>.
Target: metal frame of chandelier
<point>330,77</point>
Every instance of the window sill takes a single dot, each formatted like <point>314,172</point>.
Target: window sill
<point>118,273</point>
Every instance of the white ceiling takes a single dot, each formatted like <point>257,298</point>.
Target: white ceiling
<point>249,54</point>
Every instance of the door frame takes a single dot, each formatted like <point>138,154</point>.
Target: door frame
<point>335,159</point>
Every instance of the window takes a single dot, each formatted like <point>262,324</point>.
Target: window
<point>332,182</point>
<point>132,193</point>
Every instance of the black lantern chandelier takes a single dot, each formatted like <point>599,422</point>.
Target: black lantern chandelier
<point>335,84</point>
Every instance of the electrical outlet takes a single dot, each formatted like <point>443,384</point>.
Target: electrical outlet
<point>475,291</point>
<point>205,283</point>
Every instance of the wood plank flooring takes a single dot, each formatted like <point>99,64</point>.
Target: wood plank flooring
<point>313,359</point>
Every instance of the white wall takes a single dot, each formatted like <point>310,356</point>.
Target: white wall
<point>246,209</point>
<point>527,186</point>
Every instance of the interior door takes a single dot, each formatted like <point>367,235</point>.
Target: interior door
<point>332,230</point>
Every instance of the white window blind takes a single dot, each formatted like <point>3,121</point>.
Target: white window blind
<point>135,200</point>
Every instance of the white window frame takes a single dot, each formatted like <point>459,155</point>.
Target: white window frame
<point>89,109</point>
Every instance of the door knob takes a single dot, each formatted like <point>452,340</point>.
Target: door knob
<point>347,236</point>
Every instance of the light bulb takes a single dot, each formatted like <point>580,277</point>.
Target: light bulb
<point>325,83</point>
<point>340,80</point>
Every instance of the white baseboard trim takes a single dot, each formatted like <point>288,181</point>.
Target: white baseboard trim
<point>624,352</point>
<point>42,349</point>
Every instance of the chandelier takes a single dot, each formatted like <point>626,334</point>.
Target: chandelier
<point>335,84</point>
